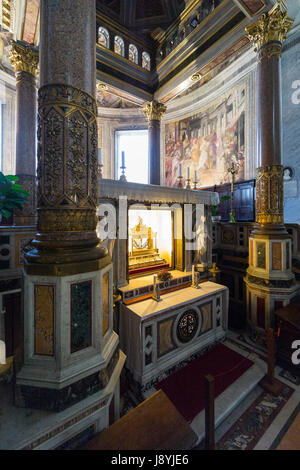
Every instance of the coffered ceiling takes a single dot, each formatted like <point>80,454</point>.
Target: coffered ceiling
<point>142,16</point>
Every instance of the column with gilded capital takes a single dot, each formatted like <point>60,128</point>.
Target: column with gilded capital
<point>25,61</point>
<point>71,351</point>
<point>154,112</point>
<point>270,281</point>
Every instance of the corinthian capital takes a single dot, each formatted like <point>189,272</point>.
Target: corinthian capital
<point>271,26</point>
<point>23,58</point>
<point>154,110</point>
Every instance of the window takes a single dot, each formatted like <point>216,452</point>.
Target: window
<point>119,46</point>
<point>103,37</point>
<point>135,146</point>
<point>133,54</point>
<point>146,63</point>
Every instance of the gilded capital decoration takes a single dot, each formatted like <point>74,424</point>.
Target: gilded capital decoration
<point>269,195</point>
<point>24,59</point>
<point>271,27</point>
<point>154,110</point>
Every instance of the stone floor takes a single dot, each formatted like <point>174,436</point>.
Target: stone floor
<point>282,422</point>
<point>282,432</point>
<point>233,404</point>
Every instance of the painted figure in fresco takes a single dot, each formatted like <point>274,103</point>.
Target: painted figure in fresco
<point>206,142</point>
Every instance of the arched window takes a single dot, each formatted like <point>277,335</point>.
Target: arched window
<point>133,53</point>
<point>146,63</point>
<point>119,46</point>
<point>103,37</point>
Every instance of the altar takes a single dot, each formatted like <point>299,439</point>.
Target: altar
<point>156,336</point>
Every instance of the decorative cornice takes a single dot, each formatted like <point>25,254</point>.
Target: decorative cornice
<point>154,110</point>
<point>24,58</point>
<point>270,27</point>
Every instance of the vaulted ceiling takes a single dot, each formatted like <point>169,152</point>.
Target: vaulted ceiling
<point>142,16</point>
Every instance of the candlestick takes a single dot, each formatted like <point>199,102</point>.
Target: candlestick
<point>156,291</point>
<point>195,179</point>
<point>123,168</point>
<point>195,282</point>
<point>180,170</point>
<point>232,170</point>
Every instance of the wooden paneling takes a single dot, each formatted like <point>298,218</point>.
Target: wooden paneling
<point>244,202</point>
<point>154,425</point>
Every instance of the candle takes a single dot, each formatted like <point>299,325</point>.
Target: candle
<point>123,159</point>
<point>100,156</point>
<point>2,353</point>
<point>188,173</point>
<point>180,170</point>
<point>195,176</point>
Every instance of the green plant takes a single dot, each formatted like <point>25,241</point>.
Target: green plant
<point>215,209</point>
<point>164,275</point>
<point>12,196</point>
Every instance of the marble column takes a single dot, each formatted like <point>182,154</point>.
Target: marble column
<point>71,350</point>
<point>25,59</point>
<point>270,281</point>
<point>154,112</point>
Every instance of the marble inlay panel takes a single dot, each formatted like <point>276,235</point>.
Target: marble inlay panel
<point>276,256</point>
<point>251,252</point>
<point>165,341</point>
<point>261,255</point>
<point>287,256</point>
<point>81,315</point>
<point>44,320</point>
<point>206,311</point>
<point>105,303</point>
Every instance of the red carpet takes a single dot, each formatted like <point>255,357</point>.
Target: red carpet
<point>185,388</point>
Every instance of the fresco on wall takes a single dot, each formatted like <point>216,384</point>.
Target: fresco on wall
<point>207,142</point>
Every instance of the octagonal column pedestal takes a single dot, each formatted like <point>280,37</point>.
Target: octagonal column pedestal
<point>154,112</point>
<point>25,60</point>
<point>270,282</point>
<point>71,351</point>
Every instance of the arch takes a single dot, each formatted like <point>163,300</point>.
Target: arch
<point>119,46</point>
<point>146,61</point>
<point>133,53</point>
<point>103,37</point>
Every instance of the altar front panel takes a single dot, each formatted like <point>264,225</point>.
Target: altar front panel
<point>155,336</point>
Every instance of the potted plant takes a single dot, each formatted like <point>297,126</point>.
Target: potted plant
<point>12,196</point>
<point>215,217</point>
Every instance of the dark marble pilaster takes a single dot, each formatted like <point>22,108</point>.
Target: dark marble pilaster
<point>269,276</point>
<point>67,141</point>
<point>25,62</point>
<point>267,34</point>
<point>154,112</point>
